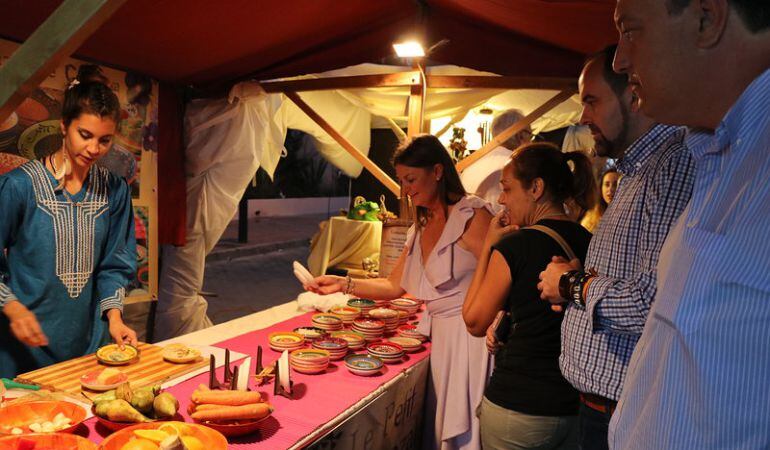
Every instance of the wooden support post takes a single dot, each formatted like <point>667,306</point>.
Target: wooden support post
<point>55,39</point>
<point>347,145</point>
<point>515,128</point>
<point>416,107</point>
<point>243,220</point>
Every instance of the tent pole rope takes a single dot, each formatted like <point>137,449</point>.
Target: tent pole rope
<point>553,102</point>
<point>347,145</point>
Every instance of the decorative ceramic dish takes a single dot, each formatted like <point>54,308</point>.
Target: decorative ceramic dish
<point>363,365</point>
<point>113,355</point>
<point>180,354</point>
<point>103,379</point>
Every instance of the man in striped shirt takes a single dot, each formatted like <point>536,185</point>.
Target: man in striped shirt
<point>608,302</point>
<point>700,375</point>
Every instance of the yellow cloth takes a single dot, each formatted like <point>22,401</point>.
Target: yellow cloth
<point>344,243</point>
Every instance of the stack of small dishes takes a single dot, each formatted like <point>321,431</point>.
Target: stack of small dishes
<point>365,305</point>
<point>364,365</point>
<point>337,347</point>
<point>328,322</point>
<point>388,316</point>
<point>410,345</point>
<point>310,333</point>
<point>381,303</point>
<point>410,331</point>
<point>403,316</point>
<point>406,304</point>
<point>347,313</point>
<point>309,361</point>
<point>388,352</point>
<point>286,340</point>
<point>356,340</point>
<point>372,329</point>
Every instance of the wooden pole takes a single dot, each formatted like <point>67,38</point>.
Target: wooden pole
<point>63,32</point>
<point>412,78</point>
<point>398,79</point>
<point>347,145</point>
<point>515,128</point>
<point>416,107</point>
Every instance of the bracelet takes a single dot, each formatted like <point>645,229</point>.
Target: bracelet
<point>565,281</point>
<point>576,288</point>
<point>350,285</point>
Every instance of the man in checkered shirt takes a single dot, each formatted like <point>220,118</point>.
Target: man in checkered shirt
<point>607,301</point>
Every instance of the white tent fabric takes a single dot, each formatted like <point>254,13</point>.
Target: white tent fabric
<point>226,142</point>
<point>229,139</point>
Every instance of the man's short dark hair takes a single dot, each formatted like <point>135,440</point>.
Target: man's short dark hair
<point>755,14</point>
<point>617,81</point>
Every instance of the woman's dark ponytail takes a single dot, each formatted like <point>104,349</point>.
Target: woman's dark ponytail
<point>565,175</point>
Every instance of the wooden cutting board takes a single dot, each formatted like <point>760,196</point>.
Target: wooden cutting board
<point>150,369</point>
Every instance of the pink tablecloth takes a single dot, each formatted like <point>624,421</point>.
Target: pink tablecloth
<point>318,398</point>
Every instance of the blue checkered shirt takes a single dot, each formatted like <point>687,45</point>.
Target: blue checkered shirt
<point>597,341</point>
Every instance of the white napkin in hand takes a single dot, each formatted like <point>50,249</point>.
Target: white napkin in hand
<point>309,301</point>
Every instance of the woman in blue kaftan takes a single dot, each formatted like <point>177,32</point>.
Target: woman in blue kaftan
<point>67,247</point>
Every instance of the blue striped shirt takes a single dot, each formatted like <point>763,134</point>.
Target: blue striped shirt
<point>700,377</point>
<point>598,340</point>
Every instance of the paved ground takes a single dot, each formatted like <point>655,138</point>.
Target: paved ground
<point>242,278</point>
<point>249,277</point>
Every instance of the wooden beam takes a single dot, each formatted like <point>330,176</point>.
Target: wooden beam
<point>515,128</point>
<point>399,79</point>
<point>63,32</point>
<point>494,82</point>
<point>347,145</point>
<point>416,108</point>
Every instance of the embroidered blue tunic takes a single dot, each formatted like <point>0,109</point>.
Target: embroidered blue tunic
<point>66,257</point>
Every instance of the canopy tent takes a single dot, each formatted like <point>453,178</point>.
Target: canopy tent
<point>213,46</point>
<point>201,42</point>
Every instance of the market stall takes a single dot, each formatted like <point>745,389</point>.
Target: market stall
<point>213,52</point>
<point>358,409</point>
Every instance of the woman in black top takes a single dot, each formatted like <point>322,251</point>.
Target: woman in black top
<point>528,404</point>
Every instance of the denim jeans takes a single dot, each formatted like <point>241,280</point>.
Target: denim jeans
<point>505,429</point>
<point>593,428</point>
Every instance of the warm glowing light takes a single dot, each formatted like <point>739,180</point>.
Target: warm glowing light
<point>409,49</point>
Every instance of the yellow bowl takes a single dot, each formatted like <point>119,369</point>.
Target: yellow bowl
<point>210,438</point>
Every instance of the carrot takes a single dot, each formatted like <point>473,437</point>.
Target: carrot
<point>243,412</point>
<point>209,407</point>
<point>230,398</point>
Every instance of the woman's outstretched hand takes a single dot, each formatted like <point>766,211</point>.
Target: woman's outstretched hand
<point>328,284</point>
<point>119,331</point>
<point>24,324</point>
